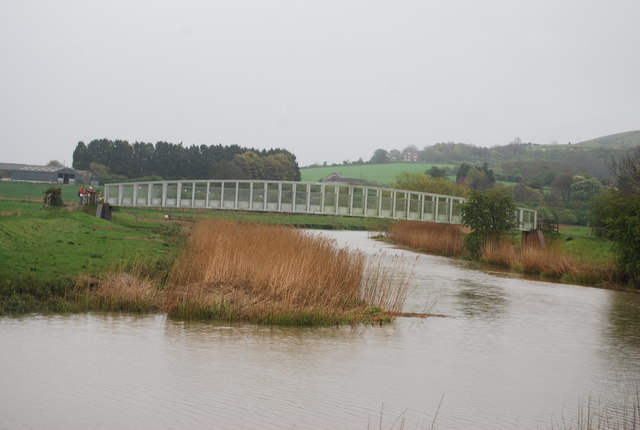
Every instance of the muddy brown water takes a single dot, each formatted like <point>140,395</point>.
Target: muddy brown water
<point>514,354</point>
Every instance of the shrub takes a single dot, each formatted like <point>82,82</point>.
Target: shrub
<point>53,197</point>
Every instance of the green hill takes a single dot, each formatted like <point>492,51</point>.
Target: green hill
<point>626,139</point>
<point>381,173</point>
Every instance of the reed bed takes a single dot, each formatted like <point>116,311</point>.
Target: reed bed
<point>548,262</point>
<point>229,270</point>
<point>443,239</point>
<point>120,292</point>
<point>275,274</point>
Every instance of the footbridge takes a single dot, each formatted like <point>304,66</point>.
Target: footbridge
<point>297,197</point>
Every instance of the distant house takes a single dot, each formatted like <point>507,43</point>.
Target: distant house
<point>47,174</point>
<point>337,178</point>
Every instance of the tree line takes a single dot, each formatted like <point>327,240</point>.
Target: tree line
<point>617,214</point>
<point>118,159</point>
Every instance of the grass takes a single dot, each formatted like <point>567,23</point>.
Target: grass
<point>322,222</point>
<point>58,243</point>
<point>35,191</point>
<point>381,173</point>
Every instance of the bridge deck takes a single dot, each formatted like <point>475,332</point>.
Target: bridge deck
<point>297,197</point>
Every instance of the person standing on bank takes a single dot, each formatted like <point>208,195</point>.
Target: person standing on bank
<point>81,195</point>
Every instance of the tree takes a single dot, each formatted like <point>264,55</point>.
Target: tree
<point>380,156</point>
<point>585,189</point>
<point>425,184</point>
<point>626,170</point>
<point>617,212</point>
<point>99,171</point>
<point>562,186</point>
<point>54,163</point>
<point>395,155</point>
<point>249,164</point>
<point>522,193</point>
<point>490,215</point>
<point>80,154</point>
<point>463,171</point>
<point>437,172</point>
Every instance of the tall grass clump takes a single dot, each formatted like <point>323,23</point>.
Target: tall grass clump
<point>444,239</point>
<point>136,285</point>
<point>273,274</point>
<point>549,262</point>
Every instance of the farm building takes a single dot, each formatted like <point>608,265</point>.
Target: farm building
<point>27,173</point>
<point>337,178</point>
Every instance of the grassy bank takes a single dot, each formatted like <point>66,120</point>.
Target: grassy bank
<point>68,260</point>
<point>572,256</point>
<point>44,251</point>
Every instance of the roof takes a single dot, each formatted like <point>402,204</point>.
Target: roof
<point>33,168</point>
<point>337,177</point>
<point>11,166</point>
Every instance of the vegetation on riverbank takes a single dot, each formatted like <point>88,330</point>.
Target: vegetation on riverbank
<point>269,274</point>
<point>68,260</point>
<point>570,256</point>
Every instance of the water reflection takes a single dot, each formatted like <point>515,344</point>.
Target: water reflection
<point>481,299</point>
<point>624,322</point>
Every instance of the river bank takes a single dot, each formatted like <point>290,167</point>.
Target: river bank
<point>569,256</point>
<point>67,260</point>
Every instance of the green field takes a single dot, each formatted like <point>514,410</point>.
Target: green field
<point>381,173</point>
<point>45,246</point>
<point>35,191</point>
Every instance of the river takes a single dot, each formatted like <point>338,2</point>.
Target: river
<point>510,353</point>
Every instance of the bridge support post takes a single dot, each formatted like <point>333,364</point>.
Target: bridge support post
<point>533,238</point>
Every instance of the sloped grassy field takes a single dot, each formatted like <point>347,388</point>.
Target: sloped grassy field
<point>42,246</point>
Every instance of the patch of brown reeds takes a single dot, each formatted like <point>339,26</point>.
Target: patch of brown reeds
<point>274,274</point>
<point>120,292</point>
<point>230,270</point>
<point>444,239</point>
<point>549,262</point>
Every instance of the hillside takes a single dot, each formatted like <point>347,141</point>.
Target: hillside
<point>626,139</point>
<point>381,173</point>
<point>515,162</point>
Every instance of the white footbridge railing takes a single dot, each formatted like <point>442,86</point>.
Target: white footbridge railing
<point>297,197</point>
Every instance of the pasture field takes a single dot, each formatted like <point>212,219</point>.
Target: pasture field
<point>384,174</point>
<point>35,191</point>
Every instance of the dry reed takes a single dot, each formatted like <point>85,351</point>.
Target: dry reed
<point>548,262</point>
<point>444,239</point>
<point>120,292</point>
<point>231,270</point>
<point>240,271</point>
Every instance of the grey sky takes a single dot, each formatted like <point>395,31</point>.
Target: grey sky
<point>326,79</point>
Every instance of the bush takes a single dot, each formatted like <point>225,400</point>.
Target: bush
<point>53,197</point>
<point>491,217</point>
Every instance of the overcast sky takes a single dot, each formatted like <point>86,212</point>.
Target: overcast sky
<point>329,80</point>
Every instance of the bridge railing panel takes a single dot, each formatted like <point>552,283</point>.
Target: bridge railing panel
<point>215,195</point>
<point>285,196</point>
<point>415,207</point>
<point>156,195</point>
